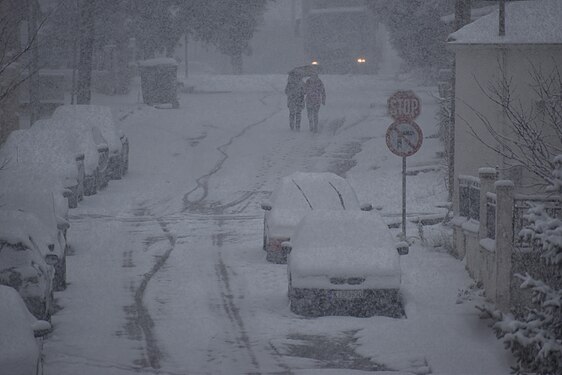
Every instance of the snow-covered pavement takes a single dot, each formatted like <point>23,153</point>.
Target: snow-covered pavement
<point>168,276</point>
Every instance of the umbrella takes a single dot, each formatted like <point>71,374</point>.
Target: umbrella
<point>304,71</point>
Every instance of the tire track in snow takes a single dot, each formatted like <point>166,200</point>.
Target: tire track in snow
<point>233,311</point>
<point>141,319</point>
<point>202,186</point>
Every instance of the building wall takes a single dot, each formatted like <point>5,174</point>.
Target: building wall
<point>477,68</point>
<point>471,103</point>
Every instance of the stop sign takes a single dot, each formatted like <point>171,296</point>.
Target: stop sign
<point>404,105</point>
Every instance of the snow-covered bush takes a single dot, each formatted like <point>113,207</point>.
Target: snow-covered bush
<point>536,338</point>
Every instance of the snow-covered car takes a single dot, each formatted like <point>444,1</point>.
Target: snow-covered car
<point>21,336</point>
<point>89,139</point>
<point>344,262</point>
<point>23,261</point>
<point>298,194</point>
<point>42,151</point>
<point>48,216</point>
<point>100,117</point>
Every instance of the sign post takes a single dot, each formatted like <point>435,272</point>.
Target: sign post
<point>404,137</point>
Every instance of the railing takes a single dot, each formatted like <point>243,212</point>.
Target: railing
<point>522,203</point>
<point>469,197</point>
<point>491,203</point>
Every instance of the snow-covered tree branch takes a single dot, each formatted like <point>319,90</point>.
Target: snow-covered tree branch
<point>536,338</point>
<point>534,133</point>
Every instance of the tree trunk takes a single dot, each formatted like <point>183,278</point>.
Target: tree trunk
<point>237,63</point>
<point>32,34</point>
<point>87,18</point>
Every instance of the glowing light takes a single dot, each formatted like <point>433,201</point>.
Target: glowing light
<point>361,60</point>
<point>314,62</point>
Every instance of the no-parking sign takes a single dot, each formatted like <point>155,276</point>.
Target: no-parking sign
<point>404,138</point>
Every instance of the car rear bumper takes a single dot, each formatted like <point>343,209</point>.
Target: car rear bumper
<point>356,302</point>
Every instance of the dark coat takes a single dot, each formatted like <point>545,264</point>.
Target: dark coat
<point>315,92</point>
<point>295,94</point>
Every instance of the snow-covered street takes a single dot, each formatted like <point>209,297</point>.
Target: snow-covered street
<point>167,274</point>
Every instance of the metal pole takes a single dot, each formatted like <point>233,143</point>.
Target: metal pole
<point>75,52</point>
<point>185,57</point>
<point>502,18</point>
<point>404,198</point>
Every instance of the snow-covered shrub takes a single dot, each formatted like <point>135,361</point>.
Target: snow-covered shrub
<point>535,339</point>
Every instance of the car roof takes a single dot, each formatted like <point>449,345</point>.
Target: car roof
<point>315,190</point>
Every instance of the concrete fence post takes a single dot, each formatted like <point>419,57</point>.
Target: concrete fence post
<point>504,243</point>
<point>488,178</point>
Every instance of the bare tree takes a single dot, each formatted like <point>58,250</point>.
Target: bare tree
<point>534,134</point>
<point>13,51</point>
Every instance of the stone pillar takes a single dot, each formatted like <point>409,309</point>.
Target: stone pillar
<point>488,177</point>
<point>504,243</point>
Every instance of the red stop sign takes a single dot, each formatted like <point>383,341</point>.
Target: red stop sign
<point>404,105</point>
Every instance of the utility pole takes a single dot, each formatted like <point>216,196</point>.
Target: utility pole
<point>462,17</point>
<point>75,50</point>
<point>186,37</point>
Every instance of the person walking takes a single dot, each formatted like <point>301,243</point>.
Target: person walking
<point>295,100</point>
<point>315,94</point>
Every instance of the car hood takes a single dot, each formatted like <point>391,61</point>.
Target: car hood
<point>282,222</point>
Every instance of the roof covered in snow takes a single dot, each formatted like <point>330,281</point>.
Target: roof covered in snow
<point>526,22</point>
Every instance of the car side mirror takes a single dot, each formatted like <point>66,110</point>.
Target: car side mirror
<point>366,207</point>
<point>403,248</point>
<point>266,206</point>
<point>286,247</point>
<point>41,328</point>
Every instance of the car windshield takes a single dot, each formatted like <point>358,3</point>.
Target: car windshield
<point>315,194</point>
